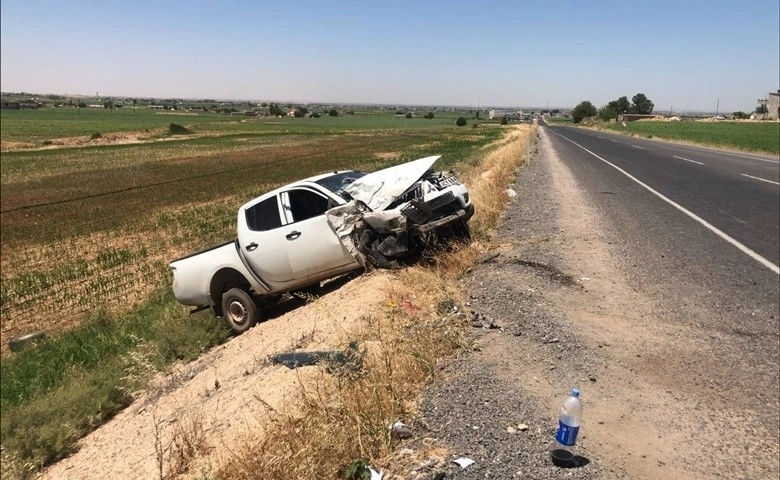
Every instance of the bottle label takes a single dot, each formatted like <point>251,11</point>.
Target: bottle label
<point>566,435</point>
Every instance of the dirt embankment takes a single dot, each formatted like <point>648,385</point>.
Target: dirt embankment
<point>222,393</point>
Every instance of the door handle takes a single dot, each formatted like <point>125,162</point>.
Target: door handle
<point>251,247</point>
<point>293,235</point>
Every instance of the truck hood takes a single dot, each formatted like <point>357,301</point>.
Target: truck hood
<point>379,189</point>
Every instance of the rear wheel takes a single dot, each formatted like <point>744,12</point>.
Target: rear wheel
<point>240,310</point>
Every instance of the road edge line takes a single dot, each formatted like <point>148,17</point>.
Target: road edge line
<point>747,251</point>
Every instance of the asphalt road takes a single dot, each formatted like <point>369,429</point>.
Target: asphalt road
<point>645,274</point>
<point>694,227</point>
<point>737,194</point>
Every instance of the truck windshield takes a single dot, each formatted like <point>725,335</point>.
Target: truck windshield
<point>337,182</point>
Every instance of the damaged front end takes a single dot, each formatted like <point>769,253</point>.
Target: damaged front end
<point>436,205</point>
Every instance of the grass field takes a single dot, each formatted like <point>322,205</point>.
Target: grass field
<point>87,232</point>
<point>37,126</point>
<point>115,214</point>
<point>749,136</point>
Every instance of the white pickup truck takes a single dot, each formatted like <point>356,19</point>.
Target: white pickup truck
<point>318,228</point>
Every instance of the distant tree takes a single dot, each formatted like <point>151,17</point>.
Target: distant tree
<point>740,115</point>
<point>460,121</point>
<point>583,110</point>
<point>301,112</point>
<point>762,109</point>
<point>275,110</point>
<point>108,104</point>
<point>641,104</point>
<point>316,114</point>
<point>82,105</point>
<point>399,112</point>
<point>608,111</point>
<point>428,116</point>
<point>408,115</point>
<point>477,116</point>
<point>622,105</point>
<point>504,120</point>
<point>264,104</point>
<point>333,113</point>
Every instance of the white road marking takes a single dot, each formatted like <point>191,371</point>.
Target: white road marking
<point>747,251</point>
<point>635,146</point>
<point>613,140</point>
<point>687,159</point>
<point>762,179</point>
<point>747,156</point>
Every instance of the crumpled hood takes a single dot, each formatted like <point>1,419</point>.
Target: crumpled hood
<point>379,189</point>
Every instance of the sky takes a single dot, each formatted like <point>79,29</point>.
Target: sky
<point>685,55</point>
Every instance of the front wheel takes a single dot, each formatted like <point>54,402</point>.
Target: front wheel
<point>240,310</point>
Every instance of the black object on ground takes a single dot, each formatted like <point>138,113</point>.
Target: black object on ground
<point>349,359</point>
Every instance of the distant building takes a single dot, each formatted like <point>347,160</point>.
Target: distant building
<point>510,115</point>
<point>773,105</point>
<point>630,117</point>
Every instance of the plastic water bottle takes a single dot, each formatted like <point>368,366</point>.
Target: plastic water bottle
<point>568,427</point>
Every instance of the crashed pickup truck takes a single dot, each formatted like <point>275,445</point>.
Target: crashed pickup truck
<point>294,237</point>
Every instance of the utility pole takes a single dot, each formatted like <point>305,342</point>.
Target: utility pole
<point>717,107</point>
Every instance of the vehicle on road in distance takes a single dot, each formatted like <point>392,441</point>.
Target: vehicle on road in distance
<point>296,236</point>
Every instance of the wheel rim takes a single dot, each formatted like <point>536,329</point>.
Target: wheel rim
<point>237,313</point>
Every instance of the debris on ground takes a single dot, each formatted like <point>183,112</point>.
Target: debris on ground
<point>400,431</point>
<point>349,359</point>
<point>463,462</point>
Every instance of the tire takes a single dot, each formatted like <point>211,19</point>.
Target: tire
<point>240,310</point>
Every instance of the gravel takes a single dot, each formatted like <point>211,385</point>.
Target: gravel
<point>476,407</point>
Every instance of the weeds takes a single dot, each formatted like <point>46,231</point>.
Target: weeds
<point>174,455</point>
<point>340,419</point>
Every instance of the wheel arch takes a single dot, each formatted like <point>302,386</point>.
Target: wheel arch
<point>222,281</point>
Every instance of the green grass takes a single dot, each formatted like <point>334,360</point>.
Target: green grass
<point>56,391</point>
<point>36,126</point>
<point>46,124</point>
<point>748,136</point>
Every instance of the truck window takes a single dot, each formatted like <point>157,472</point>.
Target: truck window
<point>306,204</point>
<point>264,215</point>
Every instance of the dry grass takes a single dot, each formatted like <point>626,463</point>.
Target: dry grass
<point>184,443</point>
<point>345,416</point>
<point>488,181</point>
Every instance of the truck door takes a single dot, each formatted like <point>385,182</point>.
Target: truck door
<point>261,238</point>
<point>312,247</point>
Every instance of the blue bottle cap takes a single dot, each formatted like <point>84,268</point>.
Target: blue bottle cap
<point>575,393</point>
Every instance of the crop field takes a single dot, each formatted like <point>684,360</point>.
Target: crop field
<point>750,136</point>
<point>92,226</point>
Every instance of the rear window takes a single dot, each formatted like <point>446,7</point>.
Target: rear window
<point>264,215</point>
